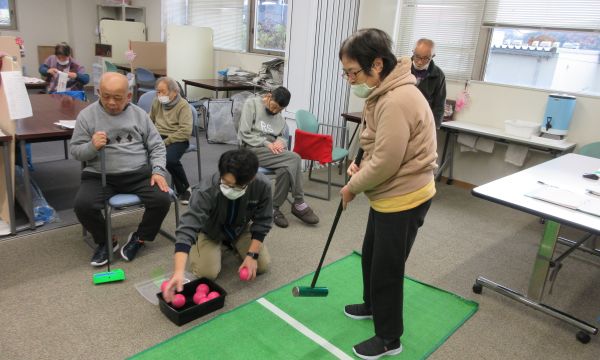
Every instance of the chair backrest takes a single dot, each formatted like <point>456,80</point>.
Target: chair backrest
<point>110,67</point>
<point>306,121</point>
<point>591,149</point>
<point>144,78</point>
<point>145,101</point>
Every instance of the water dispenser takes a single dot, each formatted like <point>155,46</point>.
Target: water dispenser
<point>559,111</point>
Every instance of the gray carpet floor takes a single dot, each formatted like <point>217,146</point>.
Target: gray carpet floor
<point>51,310</point>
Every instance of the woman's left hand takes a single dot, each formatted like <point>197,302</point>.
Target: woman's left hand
<point>347,196</point>
<point>72,75</point>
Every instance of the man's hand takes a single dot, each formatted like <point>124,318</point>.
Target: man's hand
<point>276,147</point>
<point>352,169</point>
<point>99,139</point>
<point>250,264</point>
<point>53,71</point>
<point>175,283</point>
<point>347,196</point>
<point>72,75</point>
<point>160,181</point>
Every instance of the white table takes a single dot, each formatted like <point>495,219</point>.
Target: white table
<point>563,172</point>
<point>453,128</point>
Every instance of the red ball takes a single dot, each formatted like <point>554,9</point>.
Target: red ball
<point>178,301</point>
<point>199,297</point>
<point>163,286</point>
<point>213,294</point>
<point>244,274</point>
<point>202,288</point>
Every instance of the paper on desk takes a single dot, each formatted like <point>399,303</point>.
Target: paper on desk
<point>588,204</point>
<point>61,86</point>
<point>67,124</point>
<point>32,80</point>
<point>17,99</point>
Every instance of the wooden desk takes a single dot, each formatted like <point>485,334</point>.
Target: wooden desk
<point>217,85</point>
<point>34,86</point>
<point>5,143</point>
<point>47,109</point>
<point>453,128</point>
<point>563,172</point>
<point>157,72</point>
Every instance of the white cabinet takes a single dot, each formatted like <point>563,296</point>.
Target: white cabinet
<point>122,13</point>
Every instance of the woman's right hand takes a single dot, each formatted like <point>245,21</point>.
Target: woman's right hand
<point>52,71</point>
<point>175,283</point>
<point>352,169</point>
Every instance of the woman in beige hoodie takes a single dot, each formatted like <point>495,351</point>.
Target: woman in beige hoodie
<point>398,137</point>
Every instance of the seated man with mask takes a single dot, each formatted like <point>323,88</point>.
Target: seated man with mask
<point>173,119</point>
<point>232,207</point>
<point>261,128</point>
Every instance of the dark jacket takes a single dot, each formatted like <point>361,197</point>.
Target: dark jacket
<point>208,211</point>
<point>433,87</point>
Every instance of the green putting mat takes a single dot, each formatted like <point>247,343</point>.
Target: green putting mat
<point>251,331</point>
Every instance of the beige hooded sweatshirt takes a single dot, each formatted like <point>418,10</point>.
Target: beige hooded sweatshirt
<point>399,139</point>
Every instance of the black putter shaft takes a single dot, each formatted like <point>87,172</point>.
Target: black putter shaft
<point>357,161</point>
<point>104,194</point>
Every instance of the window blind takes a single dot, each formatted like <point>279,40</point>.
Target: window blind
<point>227,18</point>
<point>453,25</point>
<point>547,14</point>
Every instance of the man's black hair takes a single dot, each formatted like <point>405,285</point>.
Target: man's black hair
<point>241,163</point>
<point>281,96</point>
<point>62,49</point>
<point>365,45</point>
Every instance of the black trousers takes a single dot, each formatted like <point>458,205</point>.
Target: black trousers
<point>174,153</point>
<point>387,243</point>
<point>90,200</point>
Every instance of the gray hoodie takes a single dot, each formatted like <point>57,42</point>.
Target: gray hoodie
<point>132,140</point>
<point>257,128</point>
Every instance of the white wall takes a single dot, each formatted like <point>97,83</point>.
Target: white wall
<point>153,17</point>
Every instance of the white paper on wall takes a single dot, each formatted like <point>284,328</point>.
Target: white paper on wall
<point>17,99</point>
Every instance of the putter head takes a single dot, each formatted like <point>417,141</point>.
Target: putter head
<point>108,276</point>
<point>307,291</point>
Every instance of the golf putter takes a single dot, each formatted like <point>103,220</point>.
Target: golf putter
<point>116,274</point>
<point>312,290</point>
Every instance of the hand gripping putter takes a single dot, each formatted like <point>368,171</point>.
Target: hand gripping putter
<point>116,274</point>
<point>312,291</point>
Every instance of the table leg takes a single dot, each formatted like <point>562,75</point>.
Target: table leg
<point>537,283</point>
<point>9,189</point>
<point>447,158</point>
<point>28,206</point>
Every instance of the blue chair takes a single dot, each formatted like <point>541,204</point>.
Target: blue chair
<point>144,81</point>
<point>110,67</point>
<point>123,201</point>
<point>145,101</point>
<point>306,121</point>
<point>591,150</point>
<point>75,94</point>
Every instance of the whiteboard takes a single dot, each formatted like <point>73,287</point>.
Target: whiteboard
<point>118,34</point>
<point>190,56</point>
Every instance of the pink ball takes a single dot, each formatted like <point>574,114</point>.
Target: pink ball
<point>163,286</point>
<point>202,288</point>
<point>178,301</point>
<point>213,294</point>
<point>198,297</point>
<point>244,274</point>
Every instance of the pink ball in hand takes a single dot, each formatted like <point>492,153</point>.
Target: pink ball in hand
<point>163,286</point>
<point>178,301</point>
<point>213,294</point>
<point>202,288</point>
<point>244,274</point>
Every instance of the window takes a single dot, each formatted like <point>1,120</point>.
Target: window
<point>268,28</point>
<point>232,22</point>
<point>453,25</point>
<point>8,16</point>
<point>557,51</point>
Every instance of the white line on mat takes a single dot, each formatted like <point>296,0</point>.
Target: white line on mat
<point>304,330</point>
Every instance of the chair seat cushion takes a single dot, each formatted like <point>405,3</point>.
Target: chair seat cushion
<point>124,200</point>
<point>338,154</point>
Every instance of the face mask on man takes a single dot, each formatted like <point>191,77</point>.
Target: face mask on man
<point>232,193</point>
<point>63,63</point>
<point>268,111</point>
<point>362,90</point>
<point>163,99</point>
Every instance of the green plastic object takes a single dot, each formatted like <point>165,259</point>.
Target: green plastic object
<point>109,276</point>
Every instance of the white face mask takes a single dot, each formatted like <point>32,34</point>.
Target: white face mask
<point>362,90</point>
<point>63,63</point>
<point>421,67</point>
<point>163,99</point>
<point>232,193</point>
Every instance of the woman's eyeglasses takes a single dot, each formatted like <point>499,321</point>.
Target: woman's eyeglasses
<point>350,74</point>
<point>234,187</point>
